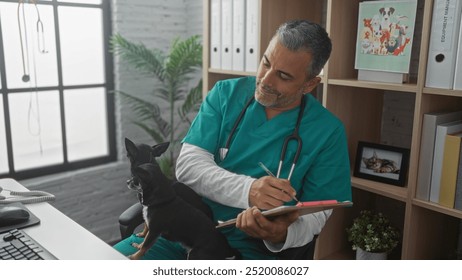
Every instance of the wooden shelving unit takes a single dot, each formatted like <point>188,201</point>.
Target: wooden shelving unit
<point>429,231</point>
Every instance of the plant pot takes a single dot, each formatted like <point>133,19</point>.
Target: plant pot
<point>364,255</point>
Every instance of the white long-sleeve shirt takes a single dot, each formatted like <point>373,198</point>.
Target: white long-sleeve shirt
<point>196,168</point>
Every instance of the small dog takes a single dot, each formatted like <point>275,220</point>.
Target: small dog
<point>167,214</point>
<point>174,211</point>
<point>142,153</point>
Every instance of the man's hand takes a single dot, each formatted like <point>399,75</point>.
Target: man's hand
<point>252,222</point>
<point>269,192</point>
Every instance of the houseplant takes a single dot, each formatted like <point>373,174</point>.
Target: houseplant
<point>174,71</point>
<point>372,233</point>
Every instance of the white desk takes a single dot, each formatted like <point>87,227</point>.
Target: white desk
<point>60,235</point>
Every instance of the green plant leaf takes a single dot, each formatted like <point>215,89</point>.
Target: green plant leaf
<point>139,56</point>
<point>174,71</point>
<point>373,232</point>
<point>191,103</point>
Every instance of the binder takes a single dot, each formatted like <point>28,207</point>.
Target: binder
<point>441,131</point>
<point>458,68</point>
<point>427,147</point>
<point>238,35</point>
<point>443,44</point>
<point>251,36</point>
<point>215,34</point>
<point>449,170</point>
<point>226,34</point>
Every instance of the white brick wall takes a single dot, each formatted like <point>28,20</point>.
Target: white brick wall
<point>95,197</point>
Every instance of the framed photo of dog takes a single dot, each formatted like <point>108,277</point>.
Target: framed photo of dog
<point>381,163</point>
<point>385,35</point>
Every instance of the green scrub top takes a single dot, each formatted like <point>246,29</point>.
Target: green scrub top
<point>322,171</point>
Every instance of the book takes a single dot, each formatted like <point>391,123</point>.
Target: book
<point>449,170</point>
<point>427,145</point>
<point>384,39</point>
<point>441,131</point>
<point>303,208</point>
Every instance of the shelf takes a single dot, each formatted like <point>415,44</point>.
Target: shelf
<point>440,91</point>
<point>438,208</point>
<point>240,73</point>
<point>364,107</point>
<point>230,72</point>
<point>373,85</point>
<point>341,255</point>
<point>398,193</point>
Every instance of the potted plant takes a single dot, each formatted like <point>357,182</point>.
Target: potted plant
<point>372,235</point>
<point>174,71</point>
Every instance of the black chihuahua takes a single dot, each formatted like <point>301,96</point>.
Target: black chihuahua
<point>173,211</point>
<point>142,153</point>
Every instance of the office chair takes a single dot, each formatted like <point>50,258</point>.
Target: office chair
<point>131,218</point>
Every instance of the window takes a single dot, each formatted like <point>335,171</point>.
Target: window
<point>56,102</point>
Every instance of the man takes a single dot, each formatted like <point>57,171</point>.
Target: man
<point>230,178</point>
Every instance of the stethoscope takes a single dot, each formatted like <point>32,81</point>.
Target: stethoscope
<point>295,136</point>
<point>24,45</point>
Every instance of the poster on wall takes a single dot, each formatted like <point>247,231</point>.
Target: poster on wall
<point>385,35</point>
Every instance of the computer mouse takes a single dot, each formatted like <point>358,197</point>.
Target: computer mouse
<point>12,215</point>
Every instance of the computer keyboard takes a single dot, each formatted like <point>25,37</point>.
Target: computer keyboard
<point>17,245</point>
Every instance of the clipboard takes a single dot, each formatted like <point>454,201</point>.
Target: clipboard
<point>303,208</point>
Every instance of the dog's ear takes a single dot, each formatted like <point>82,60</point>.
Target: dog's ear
<point>131,148</point>
<point>392,10</point>
<point>159,149</point>
<point>143,172</point>
<point>381,11</point>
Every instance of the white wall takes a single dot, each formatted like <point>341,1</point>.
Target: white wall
<point>95,197</point>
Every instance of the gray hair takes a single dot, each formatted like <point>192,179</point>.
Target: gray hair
<point>303,35</point>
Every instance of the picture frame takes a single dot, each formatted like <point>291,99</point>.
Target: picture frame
<point>381,163</point>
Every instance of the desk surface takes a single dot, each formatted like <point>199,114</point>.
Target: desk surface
<point>63,237</point>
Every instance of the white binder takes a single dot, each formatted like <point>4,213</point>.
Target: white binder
<point>238,35</point>
<point>458,68</point>
<point>226,34</point>
<point>215,34</point>
<point>443,43</point>
<point>251,36</point>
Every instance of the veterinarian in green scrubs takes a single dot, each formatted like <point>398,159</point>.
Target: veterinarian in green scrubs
<point>231,180</point>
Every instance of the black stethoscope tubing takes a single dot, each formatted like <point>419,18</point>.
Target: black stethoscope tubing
<point>295,136</point>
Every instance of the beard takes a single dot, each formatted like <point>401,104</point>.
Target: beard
<point>271,98</point>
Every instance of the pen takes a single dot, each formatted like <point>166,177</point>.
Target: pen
<point>266,169</point>
<point>272,175</point>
